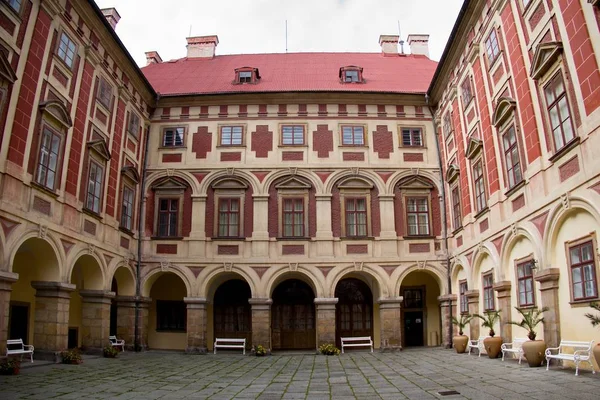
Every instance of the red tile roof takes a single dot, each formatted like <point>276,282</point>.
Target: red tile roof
<point>292,72</point>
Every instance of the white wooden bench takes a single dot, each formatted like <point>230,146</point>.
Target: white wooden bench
<point>581,351</point>
<point>477,344</point>
<point>516,348</point>
<point>359,341</point>
<point>16,347</point>
<point>221,343</point>
<point>114,342</point>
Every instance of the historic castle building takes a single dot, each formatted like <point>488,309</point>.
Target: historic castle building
<point>292,199</point>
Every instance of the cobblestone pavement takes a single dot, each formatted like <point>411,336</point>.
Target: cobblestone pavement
<point>412,374</point>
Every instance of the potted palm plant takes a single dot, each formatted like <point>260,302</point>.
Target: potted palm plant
<point>534,350</point>
<point>493,343</point>
<point>460,341</point>
<point>595,320</point>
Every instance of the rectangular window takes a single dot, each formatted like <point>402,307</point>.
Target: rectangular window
<point>66,50</point>
<point>94,192</point>
<point>558,112</point>
<point>104,95</point>
<point>464,304</point>
<point>467,93</point>
<point>168,215</point>
<point>488,292</point>
<point>356,217</point>
<point>293,217</point>
<point>353,135</point>
<point>447,124</point>
<point>292,135</point>
<point>173,137</point>
<point>127,208</point>
<point>525,284</point>
<point>231,136</point>
<point>479,184</point>
<point>171,315</point>
<point>412,137</point>
<point>15,4</point>
<point>491,46</point>
<point>245,76</point>
<point>456,215</point>
<point>583,271</point>
<point>511,158</point>
<point>417,215</point>
<point>48,159</point>
<point>351,76</point>
<point>133,126</point>
<point>229,217</point>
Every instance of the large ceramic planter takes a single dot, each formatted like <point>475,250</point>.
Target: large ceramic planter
<point>492,346</point>
<point>596,351</point>
<point>535,352</point>
<point>460,343</point>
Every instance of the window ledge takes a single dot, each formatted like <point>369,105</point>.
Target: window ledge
<point>166,237</point>
<point>233,146</point>
<point>126,231</point>
<point>44,189</point>
<point>417,237</point>
<point>134,136</point>
<point>171,331</point>
<point>494,61</point>
<point>482,212</point>
<point>357,237</point>
<point>62,62</point>
<point>354,146</point>
<point>583,303</point>
<point>172,147</point>
<point>92,213</point>
<point>293,239</point>
<point>527,307</point>
<point>515,188</point>
<point>457,230</point>
<point>412,147</point>
<point>565,149</point>
<point>15,13</point>
<point>294,146</point>
<point>230,239</point>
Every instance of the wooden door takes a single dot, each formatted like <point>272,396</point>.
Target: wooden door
<point>293,316</point>
<point>354,310</point>
<point>231,312</point>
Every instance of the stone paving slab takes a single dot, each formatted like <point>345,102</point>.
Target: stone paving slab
<point>411,374</point>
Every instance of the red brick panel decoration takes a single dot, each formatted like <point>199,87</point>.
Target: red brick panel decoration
<point>124,242</point>
<point>353,156</point>
<point>231,156</point>
<point>202,142</point>
<point>568,169</point>
<point>357,249</point>
<point>163,248</point>
<point>171,158</point>
<point>518,203</point>
<point>185,112</point>
<point>322,110</point>
<point>60,77</point>
<point>484,225</point>
<point>292,156</point>
<point>383,142</point>
<point>262,110</point>
<point>537,16</point>
<point>89,227</point>
<point>292,249</point>
<point>228,249</point>
<point>323,141</point>
<point>7,24</point>
<point>223,111</point>
<point>111,198</point>
<point>282,112</point>
<point>342,111</point>
<point>243,110</point>
<point>418,248</point>
<point>262,141</point>
<point>41,205</point>
<point>459,241</point>
<point>413,157</point>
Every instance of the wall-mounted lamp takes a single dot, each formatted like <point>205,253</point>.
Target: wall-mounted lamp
<point>534,263</point>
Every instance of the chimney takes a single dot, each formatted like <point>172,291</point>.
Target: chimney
<point>152,57</point>
<point>419,44</point>
<point>202,46</point>
<point>112,16</point>
<point>389,44</point>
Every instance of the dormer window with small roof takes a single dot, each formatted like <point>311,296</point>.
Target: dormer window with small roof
<point>351,74</point>
<point>246,75</point>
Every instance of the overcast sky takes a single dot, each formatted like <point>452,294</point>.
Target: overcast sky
<point>258,26</point>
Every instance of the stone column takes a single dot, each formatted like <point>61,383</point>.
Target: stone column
<point>505,305</point>
<point>126,320</point>
<point>260,234</point>
<point>473,302</point>
<point>143,313</point>
<point>6,281</point>
<point>548,280</point>
<point>261,321</point>
<point>196,325</point>
<point>198,212</point>
<point>448,310</point>
<point>388,236</point>
<point>389,320</point>
<point>51,326</point>
<point>325,320</point>
<point>95,319</point>
<point>324,234</point>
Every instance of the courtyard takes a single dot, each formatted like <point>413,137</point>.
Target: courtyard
<point>412,374</point>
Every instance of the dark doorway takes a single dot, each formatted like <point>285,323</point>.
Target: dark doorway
<point>293,316</point>
<point>73,338</point>
<point>232,311</point>
<point>354,310</point>
<point>413,316</point>
<point>19,322</point>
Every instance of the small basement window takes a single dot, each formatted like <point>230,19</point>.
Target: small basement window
<point>351,74</point>
<point>246,75</point>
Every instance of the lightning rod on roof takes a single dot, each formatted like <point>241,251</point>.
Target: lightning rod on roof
<point>400,39</point>
<point>286,48</point>
<point>190,34</point>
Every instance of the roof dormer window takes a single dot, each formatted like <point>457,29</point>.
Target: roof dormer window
<point>351,74</point>
<point>246,75</point>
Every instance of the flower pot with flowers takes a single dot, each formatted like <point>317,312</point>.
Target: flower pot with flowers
<point>10,366</point>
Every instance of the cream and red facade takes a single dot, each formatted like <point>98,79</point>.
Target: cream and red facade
<point>517,95</point>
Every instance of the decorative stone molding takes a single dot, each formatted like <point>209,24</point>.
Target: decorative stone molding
<point>473,53</point>
<point>53,289</point>
<point>452,173</point>
<point>546,54</point>
<point>504,110</point>
<point>97,296</point>
<point>473,148</point>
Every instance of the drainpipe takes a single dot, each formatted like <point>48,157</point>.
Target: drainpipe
<point>141,219</point>
<point>444,218</point>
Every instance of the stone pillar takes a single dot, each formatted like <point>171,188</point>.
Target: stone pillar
<point>6,281</point>
<point>51,326</point>
<point>198,209</point>
<point>261,321</point>
<point>473,302</point>
<point>448,310</point>
<point>260,234</point>
<point>196,325</point>
<point>325,320</point>
<point>126,320</point>
<point>548,280</point>
<point>505,305</point>
<point>95,318</point>
<point>388,238</point>
<point>389,320</point>
<point>324,234</point>
<point>143,313</point>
